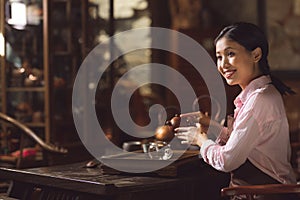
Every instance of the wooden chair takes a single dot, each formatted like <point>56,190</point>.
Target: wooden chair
<point>39,154</point>
<point>252,190</point>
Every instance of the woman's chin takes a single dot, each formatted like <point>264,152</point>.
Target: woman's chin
<point>230,82</point>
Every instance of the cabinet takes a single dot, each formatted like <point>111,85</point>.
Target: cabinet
<point>55,44</point>
<point>24,66</point>
<point>38,64</point>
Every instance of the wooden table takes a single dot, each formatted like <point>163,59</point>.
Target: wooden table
<point>75,182</point>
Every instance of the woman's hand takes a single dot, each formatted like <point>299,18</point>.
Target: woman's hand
<point>191,135</point>
<point>205,121</point>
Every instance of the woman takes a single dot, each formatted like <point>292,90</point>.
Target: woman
<point>255,145</point>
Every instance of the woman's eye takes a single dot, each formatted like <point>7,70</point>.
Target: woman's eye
<point>219,57</point>
<point>230,54</point>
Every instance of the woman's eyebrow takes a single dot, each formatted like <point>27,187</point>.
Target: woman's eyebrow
<point>226,49</point>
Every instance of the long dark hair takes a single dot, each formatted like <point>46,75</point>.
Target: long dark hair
<point>251,36</point>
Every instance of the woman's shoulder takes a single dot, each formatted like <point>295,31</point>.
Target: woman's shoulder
<point>267,94</point>
<point>266,101</point>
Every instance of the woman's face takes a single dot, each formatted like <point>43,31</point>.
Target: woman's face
<point>237,65</point>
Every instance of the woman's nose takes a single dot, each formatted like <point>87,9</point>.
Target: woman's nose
<point>224,63</point>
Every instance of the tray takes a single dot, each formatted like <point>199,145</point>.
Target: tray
<point>140,163</point>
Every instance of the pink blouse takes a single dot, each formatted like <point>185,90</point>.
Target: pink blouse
<point>259,133</point>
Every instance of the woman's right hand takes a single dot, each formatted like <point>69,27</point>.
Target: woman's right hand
<point>204,121</point>
<point>191,135</point>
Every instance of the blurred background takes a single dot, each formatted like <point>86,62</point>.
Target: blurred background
<point>44,42</point>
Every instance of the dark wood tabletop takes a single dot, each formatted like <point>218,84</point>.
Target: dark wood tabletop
<point>75,181</point>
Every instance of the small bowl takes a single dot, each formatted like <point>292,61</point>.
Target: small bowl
<point>132,146</point>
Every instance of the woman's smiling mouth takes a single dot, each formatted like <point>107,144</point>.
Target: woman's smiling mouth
<point>228,73</point>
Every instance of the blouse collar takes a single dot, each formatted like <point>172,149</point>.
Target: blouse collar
<point>250,88</point>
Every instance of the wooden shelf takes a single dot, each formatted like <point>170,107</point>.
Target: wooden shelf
<point>36,124</point>
<point>25,89</point>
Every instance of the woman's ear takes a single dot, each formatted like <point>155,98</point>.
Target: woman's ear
<point>257,54</point>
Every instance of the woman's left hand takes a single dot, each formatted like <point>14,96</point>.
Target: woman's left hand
<point>191,135</point>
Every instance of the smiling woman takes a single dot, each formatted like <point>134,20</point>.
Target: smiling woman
<point>255,145</point>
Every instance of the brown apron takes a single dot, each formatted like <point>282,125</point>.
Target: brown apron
<point>248,174</point>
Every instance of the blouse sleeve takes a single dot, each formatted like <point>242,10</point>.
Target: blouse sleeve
<point>238,147</point>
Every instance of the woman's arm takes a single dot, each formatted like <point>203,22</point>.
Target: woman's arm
<point>238,147</point>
